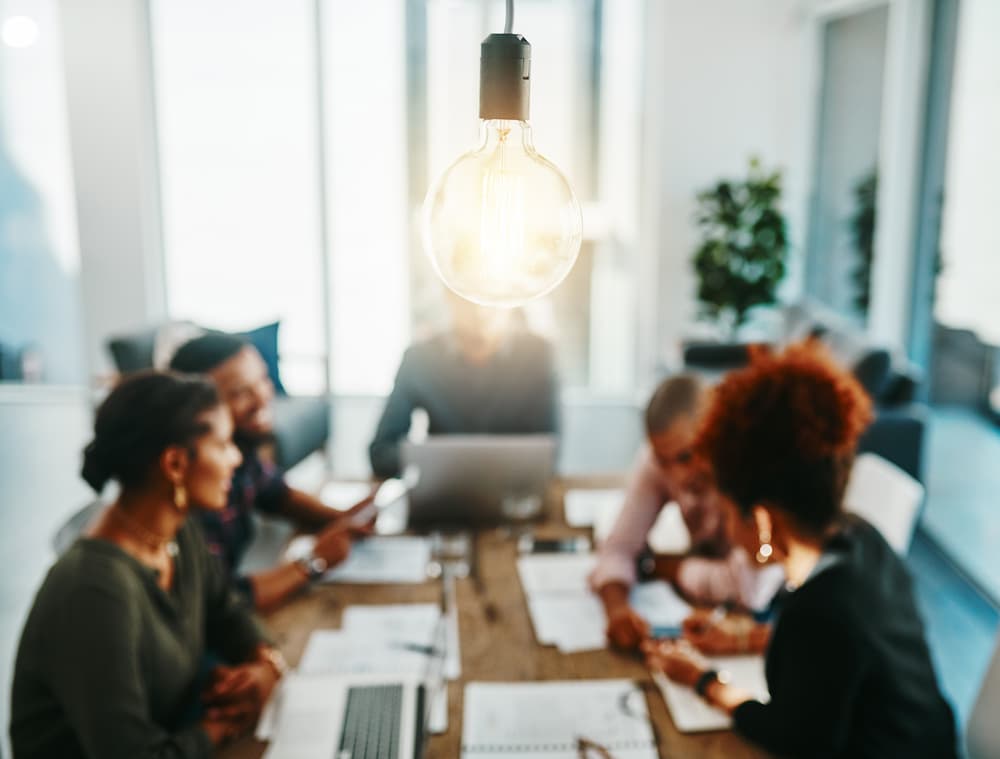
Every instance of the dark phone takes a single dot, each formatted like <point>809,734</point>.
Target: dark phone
<point>531,544</point>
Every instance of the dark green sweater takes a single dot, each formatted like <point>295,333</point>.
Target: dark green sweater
<point>108,662</point>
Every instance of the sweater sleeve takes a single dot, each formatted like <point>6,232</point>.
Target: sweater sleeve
<point>230,625</point>
<point>95,672</point>
<point>816,664</point>
<point>394,423</point>
<point>644,498</point>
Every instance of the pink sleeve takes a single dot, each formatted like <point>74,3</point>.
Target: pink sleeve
<point>644,497</point>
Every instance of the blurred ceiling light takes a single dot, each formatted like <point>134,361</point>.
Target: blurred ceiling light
<point>501,224</point>
<point>19,31</point>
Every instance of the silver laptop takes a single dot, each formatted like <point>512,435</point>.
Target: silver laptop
<point>478,479</point>
<point>361,716</point>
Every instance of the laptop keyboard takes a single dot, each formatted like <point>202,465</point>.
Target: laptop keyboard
<point>372,722</point>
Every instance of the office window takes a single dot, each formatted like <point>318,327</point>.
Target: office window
<point>243,145</point>
<point>237,126</point>
<point>39,261</point>
<point>970,237</point>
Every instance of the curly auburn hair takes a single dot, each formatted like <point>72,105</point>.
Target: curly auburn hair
<point>783,431</point>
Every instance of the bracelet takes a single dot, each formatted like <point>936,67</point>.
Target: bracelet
<point>274,658</point>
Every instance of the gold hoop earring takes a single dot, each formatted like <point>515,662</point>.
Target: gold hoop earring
<point>180,498</point>
<point>766,550</point>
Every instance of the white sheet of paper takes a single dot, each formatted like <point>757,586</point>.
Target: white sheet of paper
<point>545,720</point>
<point>555,572</point>
<point>342,495</point>
<point>575,621</point>
<point>582,507</point>
<point>414,623</point>
<point>691,714</point>
<point>399,560</point>
<point>305,725</point>
<point>338,652</point>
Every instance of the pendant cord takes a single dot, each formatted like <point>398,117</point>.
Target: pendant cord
<point>509,24</point>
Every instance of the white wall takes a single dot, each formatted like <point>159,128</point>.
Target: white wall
<point>727,79</point>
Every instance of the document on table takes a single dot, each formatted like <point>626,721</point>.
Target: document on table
<point>546,720</point>
<point>555,572</point>
<point>691,714</point>
<point>566,614</point>
<point>395,560</point>
<point>583,507</point>
<point>576,622</point>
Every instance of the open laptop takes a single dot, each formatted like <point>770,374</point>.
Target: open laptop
<point>360,716</point>
<point>478,479</point>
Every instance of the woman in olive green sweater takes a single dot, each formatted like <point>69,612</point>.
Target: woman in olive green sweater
<point>111,662</point>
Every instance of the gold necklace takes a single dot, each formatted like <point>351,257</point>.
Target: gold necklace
<point>150,539</point>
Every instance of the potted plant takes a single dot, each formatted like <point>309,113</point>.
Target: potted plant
<point>863,232</point>
<point>741,258</point>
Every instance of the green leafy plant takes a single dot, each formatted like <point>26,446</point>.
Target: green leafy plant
<point>741,258</point>
<point>863,232</point>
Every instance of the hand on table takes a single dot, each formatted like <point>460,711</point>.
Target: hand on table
<point>239,693</point>
<point>626,628</point>
<point>732,634</point>
<point>678,660</point>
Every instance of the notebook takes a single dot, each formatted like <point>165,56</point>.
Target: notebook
<point>548,720</point>
<point>692,714</point>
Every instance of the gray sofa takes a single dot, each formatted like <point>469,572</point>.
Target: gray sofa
<point>898,432</point>
<point>301,423</point>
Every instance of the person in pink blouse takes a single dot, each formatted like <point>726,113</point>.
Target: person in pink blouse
<point>666,469</point>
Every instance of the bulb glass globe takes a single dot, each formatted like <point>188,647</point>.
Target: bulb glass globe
<point>501,225</point>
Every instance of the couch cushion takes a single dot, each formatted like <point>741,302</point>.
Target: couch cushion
<point>265,340</point>
<point>870,365</point>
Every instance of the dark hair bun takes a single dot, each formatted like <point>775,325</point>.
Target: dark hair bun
<point>143,416</point>
<point>96,469</point>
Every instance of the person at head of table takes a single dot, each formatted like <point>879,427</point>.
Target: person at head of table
<point>240,374</point>
<point>112,658</point>
<point>714,571</point>
<point>848,668</point>
<point>485,374</point>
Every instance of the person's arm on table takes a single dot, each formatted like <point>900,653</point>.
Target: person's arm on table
<point>310,513</point>
<point>615,572</point>
<point>273,586</point>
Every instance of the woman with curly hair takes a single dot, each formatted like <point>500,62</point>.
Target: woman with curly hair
<point>848,668</point>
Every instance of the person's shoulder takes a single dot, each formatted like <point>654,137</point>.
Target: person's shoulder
<point>89,567</point>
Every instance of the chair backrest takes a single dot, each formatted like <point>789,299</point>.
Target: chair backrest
<point>886,496</point>
<point>983,733</point>
<point>75,525</point>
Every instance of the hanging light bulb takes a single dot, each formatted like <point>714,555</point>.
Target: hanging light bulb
<point>501,224</point>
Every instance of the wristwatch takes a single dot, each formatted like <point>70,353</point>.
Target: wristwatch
<point>314,566</point>
<point>708,677</point>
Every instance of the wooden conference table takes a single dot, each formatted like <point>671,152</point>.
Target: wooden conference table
<point>497,640</point>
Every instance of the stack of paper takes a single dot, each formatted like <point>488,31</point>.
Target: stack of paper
<point>566,614</point>
<point>583,508</point>
<point>384,560</point>
<point>691,713</point>
<point>557,720</point>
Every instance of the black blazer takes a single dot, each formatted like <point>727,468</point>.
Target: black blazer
<point>848,668</point>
